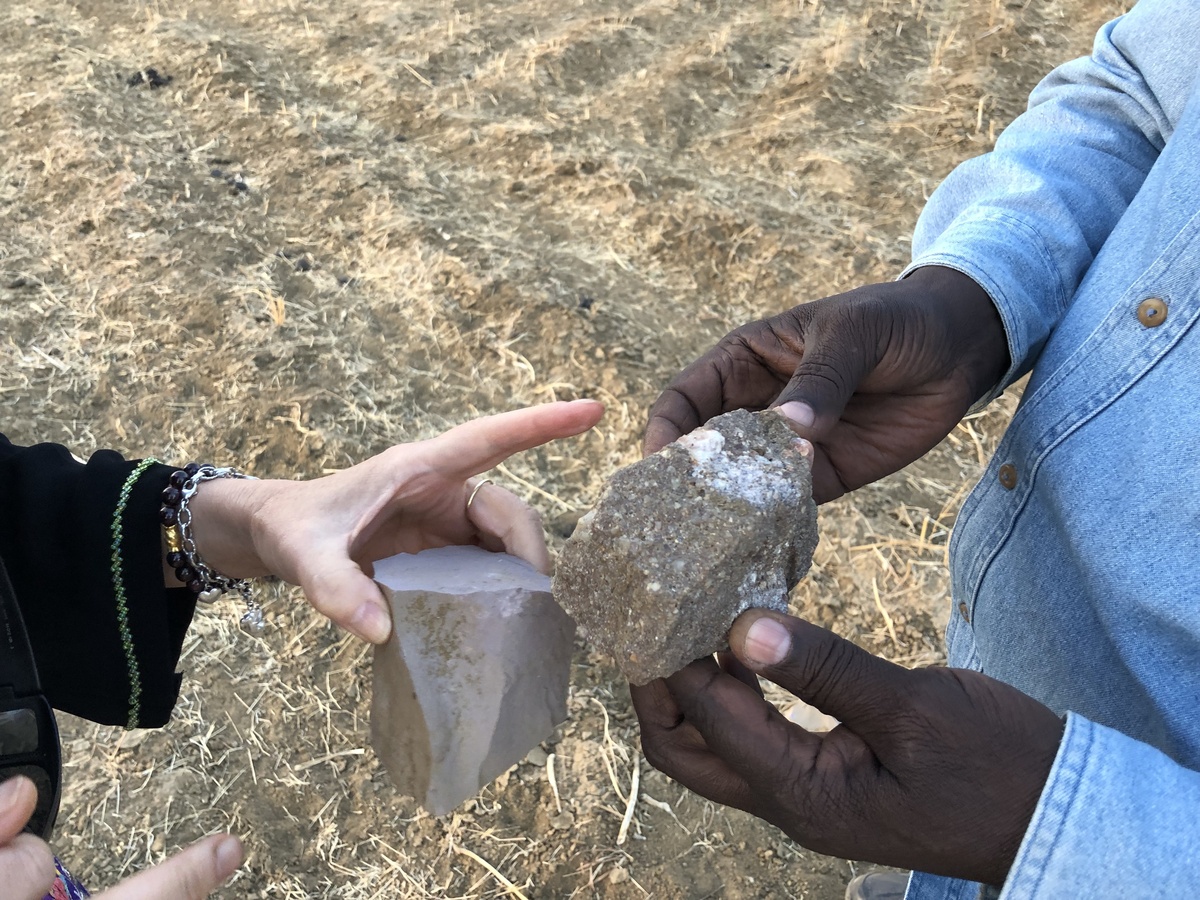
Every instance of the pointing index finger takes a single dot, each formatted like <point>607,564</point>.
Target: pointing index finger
<point>484,443</point>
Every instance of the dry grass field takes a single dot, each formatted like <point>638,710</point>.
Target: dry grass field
<point>317,228</point>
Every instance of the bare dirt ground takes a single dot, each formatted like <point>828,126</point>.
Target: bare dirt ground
<point>318,228</point>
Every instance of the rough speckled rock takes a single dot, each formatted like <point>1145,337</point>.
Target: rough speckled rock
<point>474,676</point>
<point>684,541</point>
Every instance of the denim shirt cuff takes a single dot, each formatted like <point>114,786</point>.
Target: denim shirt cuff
<point>1115,819</point>
<point>1005,256</point>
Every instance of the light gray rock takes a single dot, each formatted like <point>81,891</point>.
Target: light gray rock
<point>474,676</point>
<point>684,541</point>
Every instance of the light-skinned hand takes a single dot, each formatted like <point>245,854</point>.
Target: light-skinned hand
<point>27,865</point>
<point>324,534</point>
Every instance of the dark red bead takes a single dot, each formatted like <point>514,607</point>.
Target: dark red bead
<point>178,478</point>
<point>195,585</point>
<point>191,469</point>
<point>168,516</point>
<point>175,559</point>
<point>171,496</point>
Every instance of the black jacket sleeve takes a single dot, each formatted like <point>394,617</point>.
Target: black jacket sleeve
<point>56,539</point>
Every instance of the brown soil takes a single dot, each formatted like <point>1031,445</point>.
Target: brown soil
<point>318,228</point>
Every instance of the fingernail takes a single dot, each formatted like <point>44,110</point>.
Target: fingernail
<point>800,413</point>
<point>11,790</point>
<point>229,856</point>
<point>766,642</point>
<point>371,623</point>
<point>805,448</point>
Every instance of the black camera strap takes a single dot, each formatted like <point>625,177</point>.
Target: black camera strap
<point>28,731</point>
<point>18,671</point>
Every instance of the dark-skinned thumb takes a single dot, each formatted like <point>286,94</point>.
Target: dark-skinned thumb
<point>826,671</point>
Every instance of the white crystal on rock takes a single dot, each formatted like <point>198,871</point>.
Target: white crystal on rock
<point>474,675</point>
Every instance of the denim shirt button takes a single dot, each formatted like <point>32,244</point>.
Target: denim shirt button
<point>964,611</point>
<point>1008,476</point>
<point>1152,312</point>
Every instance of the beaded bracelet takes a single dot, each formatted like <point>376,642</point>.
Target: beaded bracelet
<point>182,555</point>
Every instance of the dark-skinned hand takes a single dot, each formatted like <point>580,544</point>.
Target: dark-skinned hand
<point>932,769</point>
<point>874,378</point>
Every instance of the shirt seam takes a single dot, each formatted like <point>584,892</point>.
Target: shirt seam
<point>1037,397</point>
<point>1036,464</point>
<point>1075,761</point>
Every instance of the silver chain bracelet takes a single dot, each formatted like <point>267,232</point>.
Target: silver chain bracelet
<point>213,585</point>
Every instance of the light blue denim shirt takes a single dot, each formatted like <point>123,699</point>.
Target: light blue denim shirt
<point>1076,560</point>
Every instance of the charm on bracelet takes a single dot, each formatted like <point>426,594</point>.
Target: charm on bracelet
<point>183,556</point>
